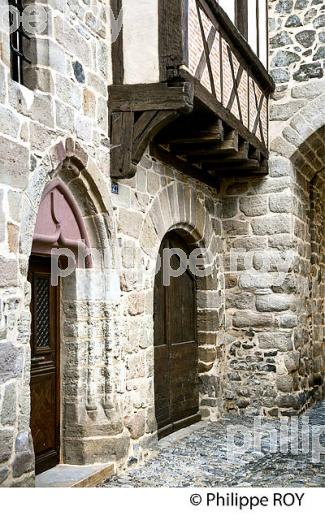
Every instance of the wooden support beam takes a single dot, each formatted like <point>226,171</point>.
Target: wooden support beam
<point>242,165</point>
<point>237,171</point>
<point>154,96</point>
<point>122,142</point>
<point>213,106</point>
<point>205,136</point>
<point>218,131</point>
<point>230,142</point>
<point>255,154</point>
<point>130,138</point>
<point>193,133</point>
<point>217,147</point>
<point>117,46</point>
<point>226,155</point>
<point>138,113</point>
<point>173,35</point>
<point>184,166</point>
<point>146,127</point>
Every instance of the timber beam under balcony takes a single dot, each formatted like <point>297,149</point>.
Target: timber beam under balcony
<point>209,143</point>
<point>207,155</point>
<point>137,114</point>
<point>183,128</point>
<point>207,113</point>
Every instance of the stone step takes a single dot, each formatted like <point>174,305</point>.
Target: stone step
<point>66,476</point>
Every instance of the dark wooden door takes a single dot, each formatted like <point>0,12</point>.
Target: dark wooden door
<point>176,350</point>
<point>45,389</point>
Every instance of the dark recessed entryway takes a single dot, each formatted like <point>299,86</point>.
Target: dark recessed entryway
<point>176,347</point>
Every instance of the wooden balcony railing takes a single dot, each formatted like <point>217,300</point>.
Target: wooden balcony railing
<point>221,125</point>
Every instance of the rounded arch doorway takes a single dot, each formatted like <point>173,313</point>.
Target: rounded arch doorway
<point>176,380</point>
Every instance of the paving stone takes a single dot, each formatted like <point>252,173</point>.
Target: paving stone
<point>200,456</point>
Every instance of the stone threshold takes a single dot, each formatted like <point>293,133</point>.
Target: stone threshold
<point>181,434</point>
<point>66,476</point>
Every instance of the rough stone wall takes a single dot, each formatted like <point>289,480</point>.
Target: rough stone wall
<point>296,43</point>
<point>147,207</point>
<point>69,98</point>
<point>297,119</point>
<point>260,307</point>
<point>296,58</point>
<point>59,128</point>
<point>258,355</point>
<point>274,339</point>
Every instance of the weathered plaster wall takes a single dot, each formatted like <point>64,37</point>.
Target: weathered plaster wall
<point>140,36</point>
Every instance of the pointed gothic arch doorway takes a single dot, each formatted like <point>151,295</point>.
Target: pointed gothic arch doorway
<point>59,224</point>
<point>45,364</point>
<point>175,344</point>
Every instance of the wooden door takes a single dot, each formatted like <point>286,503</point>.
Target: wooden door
<point>176,349</point>
<point>45,388</point>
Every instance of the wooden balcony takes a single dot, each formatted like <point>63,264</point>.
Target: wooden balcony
<point>208,113</point>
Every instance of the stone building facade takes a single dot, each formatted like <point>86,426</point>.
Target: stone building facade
<point>282,222</point>
<point>260,300</point>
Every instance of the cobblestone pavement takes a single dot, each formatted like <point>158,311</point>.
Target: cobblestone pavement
<point>198,456</point>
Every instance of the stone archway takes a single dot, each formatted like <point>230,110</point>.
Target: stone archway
<point>59,224</point>
<point>317,279</point>
<point>178,207</point>
<point>299,154</point>
<point>68,162</point>
<point>59,233</point>
<point>92,426</point>
<point>308,161</point>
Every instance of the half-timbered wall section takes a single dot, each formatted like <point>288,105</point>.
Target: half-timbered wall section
<point>250,18</point>
<point>200,93</point>
<point>225,72</point>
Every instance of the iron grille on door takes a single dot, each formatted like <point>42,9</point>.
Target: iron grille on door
<point>42,311</point>
<point>18,38</point>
